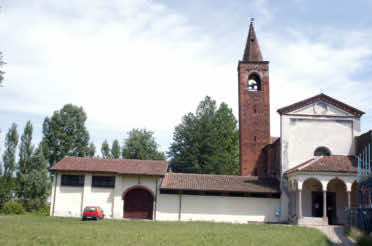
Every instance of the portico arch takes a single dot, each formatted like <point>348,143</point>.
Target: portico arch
<point>336,201</point>
<point>312,198</point>
<point>138,202</point>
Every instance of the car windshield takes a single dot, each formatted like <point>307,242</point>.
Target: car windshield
<point>90,209</point>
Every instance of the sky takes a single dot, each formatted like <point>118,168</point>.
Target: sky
<point>145,64</point>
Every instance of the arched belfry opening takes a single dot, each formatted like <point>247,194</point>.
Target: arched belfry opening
<point>254,82</point>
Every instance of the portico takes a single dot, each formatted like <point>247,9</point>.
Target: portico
<point>320,197</point>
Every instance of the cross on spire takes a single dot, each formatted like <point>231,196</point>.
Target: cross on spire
<point>252,50</point>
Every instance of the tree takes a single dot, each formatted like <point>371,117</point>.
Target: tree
<point>105,150</point>
<point>1,64</point>
<point>141,144</point>
<point>207,141</point>
<point>65,134</point>
<point>37,182</point>
<point>91,150</point>
<point>115,149</point>
<point>26,150</point>
<point>7,180</point>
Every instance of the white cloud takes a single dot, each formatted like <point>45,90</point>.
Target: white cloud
<point>137,63</point>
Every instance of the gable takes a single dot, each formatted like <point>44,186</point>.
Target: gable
<point>321,105</point>
<point>321,108</point>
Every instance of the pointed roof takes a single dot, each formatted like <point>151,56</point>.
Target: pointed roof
<point>321,97</point>
<point>252,50</point>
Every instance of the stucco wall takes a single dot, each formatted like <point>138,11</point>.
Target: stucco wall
<point>217,208</point>
<point>70,201</point>
<point>67,200</point>
<point>301,135</point>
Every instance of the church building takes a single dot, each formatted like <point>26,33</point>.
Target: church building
<point>308,175</point>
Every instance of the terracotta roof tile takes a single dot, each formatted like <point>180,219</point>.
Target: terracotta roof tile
<point>333,163</point>
<point>118,166</point>
<point>219,183</point>
<point>323,97</point>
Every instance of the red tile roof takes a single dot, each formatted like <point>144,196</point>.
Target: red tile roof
<point>325,98</point>
<point>219,183</point>
<point>333,163</point>
<point>118,166</point>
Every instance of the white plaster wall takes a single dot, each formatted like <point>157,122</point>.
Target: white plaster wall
<point>68,200</point>
<point>217,208</point>
<point>167,207</point>
<point>302,135</point>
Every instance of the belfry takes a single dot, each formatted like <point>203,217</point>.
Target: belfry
<point>254,107</point>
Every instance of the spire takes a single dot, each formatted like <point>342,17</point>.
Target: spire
<point>252,50</point>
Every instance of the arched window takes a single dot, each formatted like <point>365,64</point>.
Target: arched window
<point>322,151</point>
<point>254,82</point>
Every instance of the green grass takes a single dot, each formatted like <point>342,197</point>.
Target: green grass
<point>43,230</point>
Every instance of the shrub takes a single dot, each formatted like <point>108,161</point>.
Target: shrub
<point>12,207</point>
<point>45,210</point>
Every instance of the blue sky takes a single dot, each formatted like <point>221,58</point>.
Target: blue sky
<point>138,63</point>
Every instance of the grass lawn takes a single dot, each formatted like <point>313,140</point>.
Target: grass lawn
<point>40,230</point>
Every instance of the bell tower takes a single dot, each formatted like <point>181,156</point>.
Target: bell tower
<point>254,107</point>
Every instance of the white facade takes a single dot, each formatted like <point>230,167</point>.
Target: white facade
<point>302,131</point>
<point>317,125</point>
<point>70,201</point>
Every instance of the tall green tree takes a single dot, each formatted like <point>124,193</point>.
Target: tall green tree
<point>141,144</point>
<point>9,162</point>
<point>37,182</point>
<point>26,150</point>
<point>1,71</point>
<point>115,149</point>
<point>65,134</point>
<point>91,150</point>
<point>105,150</point>
<point>207,141</point>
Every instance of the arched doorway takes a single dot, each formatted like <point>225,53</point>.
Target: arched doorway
<point>336,201</point>
<point>312,198</point>
<point>138,203</point>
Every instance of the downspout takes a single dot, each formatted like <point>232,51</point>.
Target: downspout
<point>180,206</point>
<point>55,189</point>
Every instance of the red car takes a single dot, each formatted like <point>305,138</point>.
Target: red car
<point>93,213</point>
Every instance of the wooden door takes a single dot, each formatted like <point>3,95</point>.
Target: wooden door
<point>138,204</point>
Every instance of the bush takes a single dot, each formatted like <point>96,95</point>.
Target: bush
<point>45,210</point>
<point>12,207</point>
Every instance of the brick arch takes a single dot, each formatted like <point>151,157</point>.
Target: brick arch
<point>137,187</point>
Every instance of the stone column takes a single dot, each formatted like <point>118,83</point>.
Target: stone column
<point>325,205</point>
<point>299,204</point>
<point>348,199</point>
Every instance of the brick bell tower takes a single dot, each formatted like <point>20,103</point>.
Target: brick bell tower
<point>254,107</point>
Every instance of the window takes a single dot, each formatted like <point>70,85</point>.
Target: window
<point>72,180</point>
<point>254,82</point>
<point>322,151</point>
<point>89,209</point>
<point>103,181</point>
